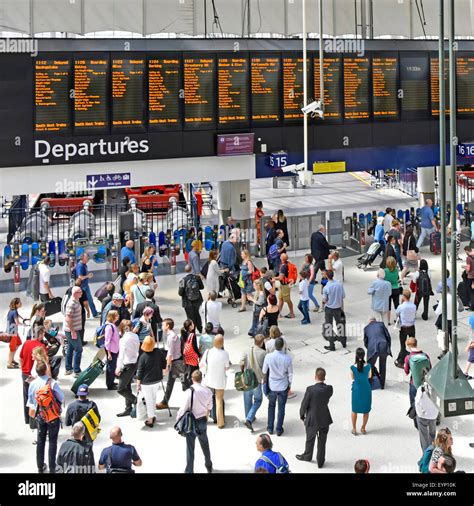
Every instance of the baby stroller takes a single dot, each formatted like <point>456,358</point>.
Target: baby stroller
<point>228,282</point>
<point>368,258</point>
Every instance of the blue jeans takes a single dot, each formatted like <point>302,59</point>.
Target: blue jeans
<point>90,300</point>
<point>425,232</point>
<point>74,352</point>
<point>252,401</point>
<point>311,295</point>
<point>399,256</point>
<point>201,427</point>
<point>273,398</point>
<point>412,394</point>
<point>303,306</point>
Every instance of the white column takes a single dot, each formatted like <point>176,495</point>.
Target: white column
<point>426,184</point>
<point>223,200</point>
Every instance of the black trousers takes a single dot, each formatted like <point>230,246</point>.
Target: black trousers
<point>331,315</point>
<point>426,303</point>
<point>322,435</point>
<point>176,369</point>
<point>382,367</point>
<point>319,264</point>
<point>405,332</point>
<point>192,313</point>
<point>26,386</point>
<point>125,385</point>
<point>51,430</point>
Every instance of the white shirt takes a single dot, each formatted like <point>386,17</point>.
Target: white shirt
<point>214,309</point>
<point>44,276</point>
<point>449,312</point>
<point>303,287</point>
<point>424,406</point>
<point>215,362</point>
<point>387,222</point>
<point>338,270</point>
<point>128,350</point>
<point>270,345</point>
<point>202,401</point>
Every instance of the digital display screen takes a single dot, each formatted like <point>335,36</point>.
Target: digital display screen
<point>128,80</point>
<point>414,74</point>
<point>163,92</point>
<point>199,86</point>
<point>293,96</point>
<point>465,85</point>
<point>434,70</point>
<point>385,87</point>
<point>90,94</point>
<point>233,88</point>
<point>265,73</point>
<point>356,88</point>
<point>332,86</point>
<point>52,78</point>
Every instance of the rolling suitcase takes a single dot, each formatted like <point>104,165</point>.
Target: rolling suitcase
<point>435,243</point>
<point>91,373</point>
<point>53,306</point>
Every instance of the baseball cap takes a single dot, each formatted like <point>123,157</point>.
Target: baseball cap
<point>117,296</point>
<point>83,390</point>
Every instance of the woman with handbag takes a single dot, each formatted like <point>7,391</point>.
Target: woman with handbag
<point>268,315</point>
<point>14,320</point>
<point>246,284</point>
<point>361,373</point>
<point>410,252</point>
<point>149,375</point>
<point>191,352</point>
<point>259,302</point>
<point>391,275</point>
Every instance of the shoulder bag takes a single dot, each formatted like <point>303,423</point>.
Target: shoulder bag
<point>187,423</point>
<point>247,379</point>
<point>116,470</point>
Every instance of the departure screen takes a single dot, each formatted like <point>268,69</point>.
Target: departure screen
<point>128,79</point>
<point>465,85</point>
<point>434,70</point>
<point>265,73</point>
<point>332,86</point>
<point>414,75</point>
<point>384,87</point>
<point>293,87</point>
<point>356,88</point>
<point>199,91</point>
<point>163,92</point>
<point>233,87</point>
<point>52,95</point>
<point>90,94</point>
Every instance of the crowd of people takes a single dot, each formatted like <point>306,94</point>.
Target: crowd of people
<point>141,349</point>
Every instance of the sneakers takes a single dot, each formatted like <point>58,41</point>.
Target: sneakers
<point>248,425</point>
<point>68,373</point>
<point>76,374</point>
<point>125,413</point>
<point>330,348</point>
<point>280,432</point>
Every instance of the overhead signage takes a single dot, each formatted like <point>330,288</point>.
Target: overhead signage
<point>235,144</point>
<point>114,180</point>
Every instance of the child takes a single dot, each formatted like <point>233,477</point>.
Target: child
<point>303,305</point>
<point>13,321</point>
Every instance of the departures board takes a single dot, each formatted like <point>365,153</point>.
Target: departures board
<point>107,92</point>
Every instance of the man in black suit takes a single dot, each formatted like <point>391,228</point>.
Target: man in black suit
<point>377,341</point>
<point>156,319</point>
<point>314,412</point>
<point>320,249</point>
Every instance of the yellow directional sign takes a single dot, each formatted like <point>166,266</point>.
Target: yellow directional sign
<point>328,167</point>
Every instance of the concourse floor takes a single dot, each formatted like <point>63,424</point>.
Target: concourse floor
<point>391,444</point>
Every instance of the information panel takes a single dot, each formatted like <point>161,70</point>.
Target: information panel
<point>233,90</point>
<point>265,74</point>
<point>90,93</point>
<point>434,70</point>
<point>52,95</point>
<point>199,86</point>
<point>128,80</point>
<point>332,86</point>
<point>385,87</point>
<point>356,87</point>
<point>414,74</point>
<point>465,85</point>
<point>163,92</point>
<point>293,97</point>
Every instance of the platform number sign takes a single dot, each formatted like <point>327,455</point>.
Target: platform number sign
<point>466,150</point>
<point>278,159</point>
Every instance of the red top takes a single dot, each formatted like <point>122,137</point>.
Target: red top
<point>26,355</point>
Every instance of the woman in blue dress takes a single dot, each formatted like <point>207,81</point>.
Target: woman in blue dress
<point>361,373</point>
<point>246,270</point>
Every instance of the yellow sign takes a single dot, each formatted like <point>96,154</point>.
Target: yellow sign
<point>328,167</point>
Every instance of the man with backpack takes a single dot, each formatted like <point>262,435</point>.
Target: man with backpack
<point>287,276</point>
<point>76,456</point>
<point>79,408</point>
<point>44,401</point>
<point>417,364</point>
<point>423,288</point>
<point>190,292</point>
<point>272,462</point>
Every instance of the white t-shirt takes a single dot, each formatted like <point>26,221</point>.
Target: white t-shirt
<point>215,362</point>
<point>338,269</point>
<point>303,286</point>
<point>44,276</point>
<point>387,222</point>
<point>214,309</point>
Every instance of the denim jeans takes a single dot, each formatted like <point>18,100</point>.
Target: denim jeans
<point>273,398</point>
<point>90,300</point>
<point>425,232</point>
<point>311,295</point>
<point>252,401</point>
<point>201,427</point>
<point>74,351</point>
<point>51,430</point>
<point>303,306</point>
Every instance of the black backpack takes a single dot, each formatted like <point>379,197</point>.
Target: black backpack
<point>424,284</point>
<point>192,289</point>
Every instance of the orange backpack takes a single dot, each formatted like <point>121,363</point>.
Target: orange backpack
<point>292,272</point>
<point>49,408</point>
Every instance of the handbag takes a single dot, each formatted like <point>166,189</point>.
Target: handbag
<point>413,286</point>
<point>266,389</point>
<point>412,255</point>
<point>246,379</point>
<point>375,382</point>
<point>187,423</point>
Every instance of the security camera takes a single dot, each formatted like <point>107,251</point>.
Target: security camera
<point>313,107</point>
<point>289,168</point>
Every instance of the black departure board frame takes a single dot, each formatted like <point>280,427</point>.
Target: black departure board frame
<point>339,87</point>
<point>144,99</point>
<point>108,93</point>
<point>463,54</point>
<point>433,55</point>
<point>210,125</point>
<point>69,103</point>
<point>296,56</point>
<point>369,88</point>
<point>418,114</point>
<point>386,118</point>
<point>266,122</point>
<point>240,55</point>
<point>156,127</point>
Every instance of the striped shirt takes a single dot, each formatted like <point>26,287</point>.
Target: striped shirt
<point>74,313</point>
